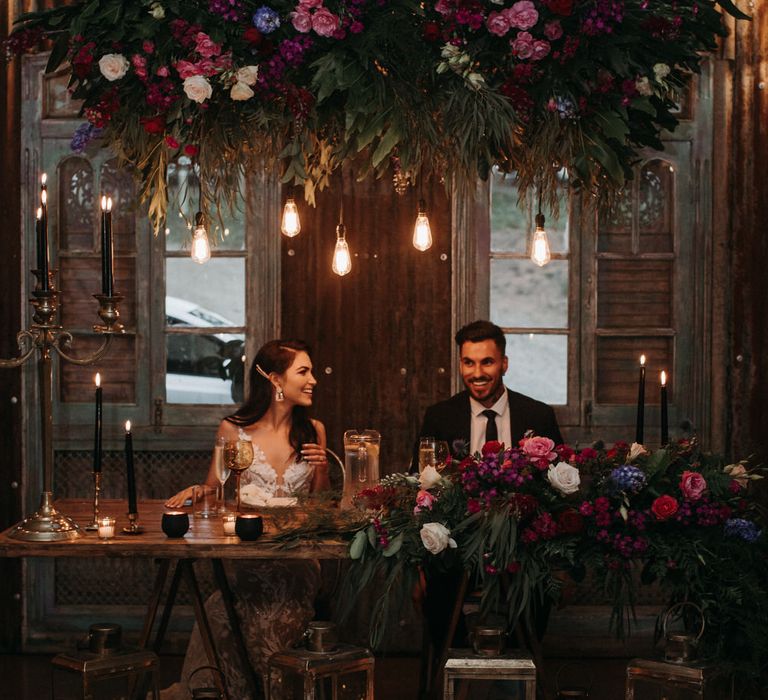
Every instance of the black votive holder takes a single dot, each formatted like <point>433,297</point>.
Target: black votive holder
<point>175,523</point>
<point>249,526</point>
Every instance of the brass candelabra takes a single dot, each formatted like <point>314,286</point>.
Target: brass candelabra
<point>46,337</point>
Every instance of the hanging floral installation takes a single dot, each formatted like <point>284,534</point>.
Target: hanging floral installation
<point>453,86</point>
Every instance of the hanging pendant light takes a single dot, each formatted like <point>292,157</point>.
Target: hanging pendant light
<point>201,246</point>
<point>342,262</point>
<point>540,253</point>
<point>290,224</point>
<point>422,233</point>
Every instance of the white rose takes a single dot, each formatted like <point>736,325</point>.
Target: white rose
<point>643,86</point>
<point>436,537</point>
<point>113,66</point>
<point>247,75</point>
<point>564,477</point>
<point>240,91</point>
<point>635,451</point>
<point>660,71</point>
<point>429,477</point>
<point>197,88</point>
<point>157,10</point>
<point>475,80</point>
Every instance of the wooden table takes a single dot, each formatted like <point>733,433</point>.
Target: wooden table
<point>205,540</point>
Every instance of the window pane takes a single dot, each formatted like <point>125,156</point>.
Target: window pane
<point>525,295</point>
<point>212,294</point>
<point>226,233</point>
<point>205,369</point>
<point>538,366</point>
<point>512,224</point>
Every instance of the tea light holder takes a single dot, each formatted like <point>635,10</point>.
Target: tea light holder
<point>249,526</point>
<point>228,521</point>
<point>106,527</point>
<point>175,523</point>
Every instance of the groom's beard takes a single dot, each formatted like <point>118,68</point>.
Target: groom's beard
<point>485,390</point>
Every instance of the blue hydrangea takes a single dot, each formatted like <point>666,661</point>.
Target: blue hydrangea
<point>83,135</point>
<point>627,479</point>
<point>744,529</point>
<point>266,20</point>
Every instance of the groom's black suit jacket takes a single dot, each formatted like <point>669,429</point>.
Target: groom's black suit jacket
<point>452,419</point>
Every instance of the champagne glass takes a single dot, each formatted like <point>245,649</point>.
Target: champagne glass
<point>442,452</point>
<point>221,470</point>
<point>238,456</point>
<point>427,455</point>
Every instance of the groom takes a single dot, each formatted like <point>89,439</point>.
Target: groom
<point>486,410</point>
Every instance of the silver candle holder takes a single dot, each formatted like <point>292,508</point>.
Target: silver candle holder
<point>46,338</point>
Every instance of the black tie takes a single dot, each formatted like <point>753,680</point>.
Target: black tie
<point>491,433</point>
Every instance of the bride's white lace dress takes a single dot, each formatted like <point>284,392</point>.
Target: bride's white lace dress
<point>274,598</point>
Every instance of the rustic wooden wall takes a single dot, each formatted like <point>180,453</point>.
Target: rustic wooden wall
<point>381,335</point>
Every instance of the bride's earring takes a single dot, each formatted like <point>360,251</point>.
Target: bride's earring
<point>279,396</point>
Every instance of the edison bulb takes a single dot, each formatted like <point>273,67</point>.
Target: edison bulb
<point>540,253</point>
<point>342,262</point>
<point>201,246</point>
<point>422,233</point>
<point>290,225</point>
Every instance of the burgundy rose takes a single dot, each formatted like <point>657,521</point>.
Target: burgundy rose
<point>492,447</point>
<point>431,31</point>
<point>191,150</point>
<point>252,36</point>
<point>664,507</point>
<point>560,7</point>
<point>570,522</point>
<point>171,142</point>
<point>153,125</point>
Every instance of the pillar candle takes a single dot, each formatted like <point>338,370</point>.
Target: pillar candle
<point>130,474</point>
<point>664,418</point>
<point>107,288</point>
<point>639,426</point>
<point>97,428</point>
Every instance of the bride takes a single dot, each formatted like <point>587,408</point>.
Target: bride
<point>274,598</point>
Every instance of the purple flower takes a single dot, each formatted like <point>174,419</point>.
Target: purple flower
<point>231,10</point>
<point>83,135</point>
<point>627,479</point>
<point>743,529</point>
<point>266,20</point>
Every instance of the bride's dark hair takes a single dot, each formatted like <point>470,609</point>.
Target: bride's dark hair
<point>275,356</point>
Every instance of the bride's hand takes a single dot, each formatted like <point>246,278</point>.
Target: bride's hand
<point>177,501</point>
<point>314,454</point>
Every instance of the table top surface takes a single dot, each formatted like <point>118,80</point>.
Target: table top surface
<point>204,540</point>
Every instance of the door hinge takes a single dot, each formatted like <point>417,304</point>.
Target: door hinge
<point>157,420</point>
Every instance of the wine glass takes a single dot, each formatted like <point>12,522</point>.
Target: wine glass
<point>442,452</point>
<point>221,470</point>
<point>238,456</point>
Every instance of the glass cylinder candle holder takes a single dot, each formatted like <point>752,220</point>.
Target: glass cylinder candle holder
<point>228,521</point>
<point>106,528</point>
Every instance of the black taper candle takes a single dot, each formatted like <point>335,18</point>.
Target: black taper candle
<point>43,247</point>
<point>97,428</point>
<point>129,472</point>
<point>107,288</point>
<point>40,246</point>
<point>664,416</point>
<point>640,423</point>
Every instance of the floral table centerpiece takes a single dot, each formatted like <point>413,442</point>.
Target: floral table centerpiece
<point>515,518</point>
<point>452,86</point>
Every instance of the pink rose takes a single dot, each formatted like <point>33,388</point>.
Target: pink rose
<point>522,47</point>
<point>443,7</point>
<point>553,30</point>
<point>539,448</point>
<point>163,71</point>
<point>148,46</point>
<point>540,49</point>
<point>205,46</point>
<point>693,485</point>
<point>497,23</point>
<point>424,501</point>
<point>186,69</point>
<point>302,21</point>
<point>324,22</point>
<point>309,4</point>
<point>522,14</point>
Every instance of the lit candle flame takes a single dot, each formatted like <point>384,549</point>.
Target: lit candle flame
<point>103,203</point>
<point>43,179</point>
<point>642,360</point>
<point>44,197</point>
<point>127,426</point>
<point>109,203</point>
<point>39,213</point>
<point>663,378</point>
<point>98,379</point>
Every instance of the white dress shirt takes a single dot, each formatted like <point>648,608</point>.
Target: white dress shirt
<point>479,422</point>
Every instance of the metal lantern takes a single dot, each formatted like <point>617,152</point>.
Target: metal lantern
<point>346,673</point>
<point>465,666</point>
<point>104,669</point>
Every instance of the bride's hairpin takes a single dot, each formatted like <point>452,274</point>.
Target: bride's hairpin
<point>262,373</point>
